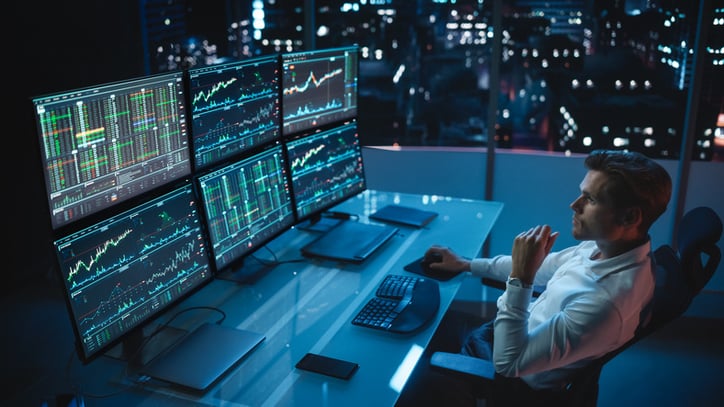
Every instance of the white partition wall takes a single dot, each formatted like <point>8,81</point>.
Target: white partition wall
<point>536,187</point>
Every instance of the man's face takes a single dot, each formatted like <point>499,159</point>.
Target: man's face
<point>593,217</point>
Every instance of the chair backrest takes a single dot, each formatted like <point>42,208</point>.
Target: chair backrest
<point>679,276</point>
<point>682,274</point>
<point>699,232</point>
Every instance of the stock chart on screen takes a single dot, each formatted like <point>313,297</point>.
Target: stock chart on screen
<point>319,88</point>
<point>234,107</point>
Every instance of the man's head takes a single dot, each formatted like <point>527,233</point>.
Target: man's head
<point>621,190</point>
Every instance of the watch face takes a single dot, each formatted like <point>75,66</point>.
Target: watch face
<point>517,283</point>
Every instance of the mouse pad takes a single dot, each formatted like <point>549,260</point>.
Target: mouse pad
<point>416,267</point>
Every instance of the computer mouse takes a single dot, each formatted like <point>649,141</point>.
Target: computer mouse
<point>433,257</point>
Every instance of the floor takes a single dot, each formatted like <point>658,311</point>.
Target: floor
<point>681,365</point>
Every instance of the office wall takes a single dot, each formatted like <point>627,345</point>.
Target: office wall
<point>536,187</point>
<point>57,46</point>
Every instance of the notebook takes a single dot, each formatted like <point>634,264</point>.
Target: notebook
<point>203,356</point>
<point>350,241</point>
<point>404,215</point>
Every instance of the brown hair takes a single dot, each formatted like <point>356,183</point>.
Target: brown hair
<point>634,180</point>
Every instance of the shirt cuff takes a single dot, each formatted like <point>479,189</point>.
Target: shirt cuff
<point>479,267</point>
<point>518,297</point>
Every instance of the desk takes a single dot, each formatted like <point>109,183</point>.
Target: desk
<point>307,307</point>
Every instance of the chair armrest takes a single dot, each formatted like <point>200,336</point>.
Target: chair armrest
<point>463,365</point>
<point>500,285</point>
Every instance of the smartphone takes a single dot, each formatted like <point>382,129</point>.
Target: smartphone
<point>327,366</point>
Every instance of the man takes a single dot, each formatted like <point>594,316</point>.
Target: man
<point>595,291</point>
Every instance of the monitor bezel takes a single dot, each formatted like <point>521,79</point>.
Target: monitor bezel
<point>237,64</point>
<point>316,215</point>
<point>237,262</point>
<point>84,220</point>
<point>132,336</point>
<point>351,113</point>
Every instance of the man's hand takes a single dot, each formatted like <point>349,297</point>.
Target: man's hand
<point>529,250</point>
<point>449,260</point>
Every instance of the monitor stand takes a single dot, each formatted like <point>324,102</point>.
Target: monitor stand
<point>211,349</point>
<point>246,272</point>
<point>320,224</point>
<point>137,349</point>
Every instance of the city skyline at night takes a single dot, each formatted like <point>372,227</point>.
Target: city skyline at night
<point>575,75</point>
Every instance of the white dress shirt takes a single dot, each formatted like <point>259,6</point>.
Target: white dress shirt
<point>589,307</point>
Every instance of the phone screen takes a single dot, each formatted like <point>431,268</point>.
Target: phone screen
<point>327,366</point>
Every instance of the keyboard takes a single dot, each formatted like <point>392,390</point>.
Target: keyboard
<point>402,304</point>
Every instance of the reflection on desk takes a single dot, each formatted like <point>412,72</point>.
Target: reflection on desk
<point>309,306</point>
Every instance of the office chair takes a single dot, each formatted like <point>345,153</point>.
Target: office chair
<point>679,274</point>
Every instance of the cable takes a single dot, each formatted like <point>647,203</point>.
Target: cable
<point>276,260</point>
<point>265,262</point>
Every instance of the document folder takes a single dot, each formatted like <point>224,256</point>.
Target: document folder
<point>404,215</point>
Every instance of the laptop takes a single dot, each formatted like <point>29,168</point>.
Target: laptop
<point>350,241</point>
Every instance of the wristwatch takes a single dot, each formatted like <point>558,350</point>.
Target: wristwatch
<point>514,281</point>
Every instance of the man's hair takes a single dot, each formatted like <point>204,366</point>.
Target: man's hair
<point>634,180</point>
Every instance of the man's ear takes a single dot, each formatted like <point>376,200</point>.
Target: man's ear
<point>631,216</point>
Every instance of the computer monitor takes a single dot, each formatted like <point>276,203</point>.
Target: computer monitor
<point>122,272</point>
<point>246,204</point>
<point>326,168</point>
<point>105,144</point>
<point>319,88</point>
<point>235,107</point>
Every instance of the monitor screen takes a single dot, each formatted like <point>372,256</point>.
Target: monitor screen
<point>247,203</point>
<point>235,107</point>
<point>121,272</point>
<point>318,88</point>
<point>106,144</point>
<point>326,168</point>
